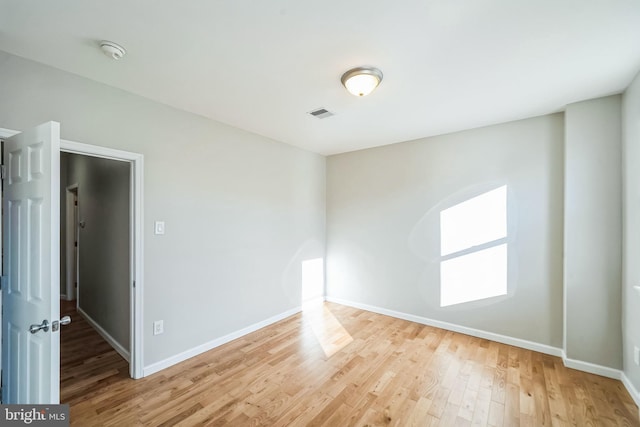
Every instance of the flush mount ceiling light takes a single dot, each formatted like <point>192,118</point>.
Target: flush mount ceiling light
<point>361,81</point>
<point>112,50</point>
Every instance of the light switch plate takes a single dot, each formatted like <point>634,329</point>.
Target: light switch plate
<point>158,327</point>
<point>636,355</point>
<point>159,227</point>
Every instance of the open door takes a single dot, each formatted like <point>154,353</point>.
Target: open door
<point>31,285</point>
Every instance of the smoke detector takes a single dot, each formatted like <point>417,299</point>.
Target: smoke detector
<point>112,50</point>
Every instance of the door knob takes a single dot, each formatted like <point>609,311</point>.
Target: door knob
<point>56,324</point>
<point>44,326</point>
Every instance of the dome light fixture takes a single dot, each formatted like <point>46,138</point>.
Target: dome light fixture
<point>112,50</point>
<point>361,81</point>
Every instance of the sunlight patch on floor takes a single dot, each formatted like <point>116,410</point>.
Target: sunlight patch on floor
<point>331,335</point>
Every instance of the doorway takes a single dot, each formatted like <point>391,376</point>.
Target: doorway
<point>69,279</point>
<point>135,244</point>
<point>136,268</point>
<point>94,268</point>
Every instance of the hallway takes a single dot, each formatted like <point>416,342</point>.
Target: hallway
<point>87,362</point>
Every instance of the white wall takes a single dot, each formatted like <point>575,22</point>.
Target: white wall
<point>593,231</point>
<point>631,203</point>
<point>241,211</point>
<point>383,229</point>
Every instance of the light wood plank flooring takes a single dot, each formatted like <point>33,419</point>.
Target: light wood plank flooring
<point>339,366</point>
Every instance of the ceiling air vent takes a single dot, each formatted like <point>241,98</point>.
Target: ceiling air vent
<point>321,113</point>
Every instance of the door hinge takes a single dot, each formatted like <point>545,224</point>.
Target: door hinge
<point>134,283</point>
<point>2,280</point>
<point>3,171</point>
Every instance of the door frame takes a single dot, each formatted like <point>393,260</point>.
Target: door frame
<point>71,229</point>
<point>136,237</point>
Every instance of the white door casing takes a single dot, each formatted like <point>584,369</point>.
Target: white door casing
<point>136,369</point>
<point>31,292</point>
<point>71,228</point>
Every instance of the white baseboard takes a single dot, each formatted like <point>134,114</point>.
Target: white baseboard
<point>163,364</point>
<point>104,334</point>
<point>517,342</point>
<point>635,394</point>
<point>591,368</point>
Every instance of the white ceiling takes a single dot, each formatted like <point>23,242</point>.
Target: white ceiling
<point>261,65</point>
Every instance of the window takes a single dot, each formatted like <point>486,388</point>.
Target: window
<point>473,248</point>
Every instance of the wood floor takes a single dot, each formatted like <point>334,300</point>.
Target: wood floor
<point>339,366</point>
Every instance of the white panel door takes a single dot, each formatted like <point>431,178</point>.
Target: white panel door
<point>31,245</point>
